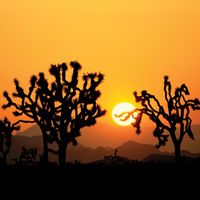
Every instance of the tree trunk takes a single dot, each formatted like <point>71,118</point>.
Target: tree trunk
<point>62,155</point>
<point>45,150</point>
<point>177,145</point>
<point>177,148</point>
<point>4,159</point>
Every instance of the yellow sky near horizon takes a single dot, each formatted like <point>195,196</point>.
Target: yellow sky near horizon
<point>133,42</point>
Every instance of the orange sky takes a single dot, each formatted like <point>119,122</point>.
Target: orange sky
<point>133,42</point>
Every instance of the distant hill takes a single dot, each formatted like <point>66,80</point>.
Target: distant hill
<point>136,151</point>
<point>113,160</point>
<point>169,157</point>
<point>130,150</point>
<point>30,132</point>
<point>104,134</point>
<point>22,141</point>
<point>79,152</point>
<point>92,143</point>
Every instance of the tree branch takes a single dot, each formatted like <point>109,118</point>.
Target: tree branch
<point>22,121</point>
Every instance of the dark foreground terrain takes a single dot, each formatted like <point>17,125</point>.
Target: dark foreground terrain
<point>94,180</point>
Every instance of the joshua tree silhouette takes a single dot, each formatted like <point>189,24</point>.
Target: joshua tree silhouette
<point>167,120</point>
<point>6,130</point>
<point>61,108</point>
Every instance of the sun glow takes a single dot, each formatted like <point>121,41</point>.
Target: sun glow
<point>122,108</point>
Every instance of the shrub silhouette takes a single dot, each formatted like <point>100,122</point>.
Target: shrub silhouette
<point>6,130</point>
<point>61,108</point>
<point>167,120</point>
<point>27,157</point>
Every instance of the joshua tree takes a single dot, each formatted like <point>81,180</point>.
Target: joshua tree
<point>73,107</point>
<point>173,120</point>
<point>61,108</point>
<point>6,130</point>
<point>31,104</point>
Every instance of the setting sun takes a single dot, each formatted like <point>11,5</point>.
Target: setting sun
<point>119,109</point>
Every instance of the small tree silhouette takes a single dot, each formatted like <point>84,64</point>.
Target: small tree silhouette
<point>27,157</point>
<point>167,121</point>
<point>61,108</point>
<point>6,130</point>
<point>32,104</point>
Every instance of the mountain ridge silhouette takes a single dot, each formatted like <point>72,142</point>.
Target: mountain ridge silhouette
<point>108,135</point>
<point>130,150</point>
